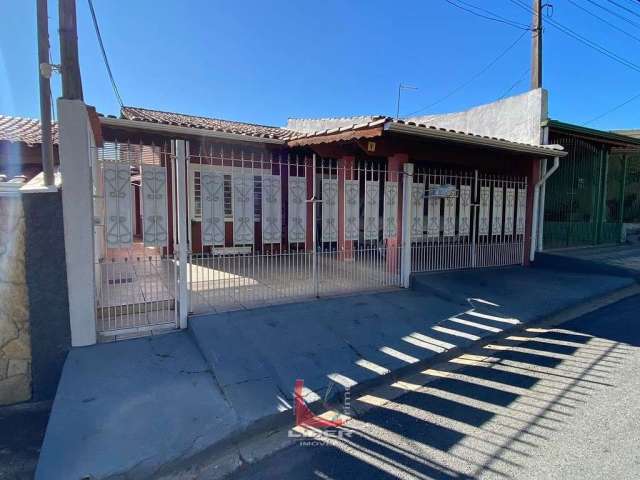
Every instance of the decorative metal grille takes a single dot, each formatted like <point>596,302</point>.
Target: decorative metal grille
<point>474,227</point>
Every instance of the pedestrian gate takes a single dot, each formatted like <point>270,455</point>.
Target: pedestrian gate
<point>466,220</point>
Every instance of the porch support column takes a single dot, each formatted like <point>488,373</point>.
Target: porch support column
<point>395,166</point>
<point>345,172</point>
<point>77,157</point>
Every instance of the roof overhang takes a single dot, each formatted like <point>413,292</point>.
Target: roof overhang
<point>186,131</point>
<point>543,151</point>
<point>610,138</point>
<point>339,135</point>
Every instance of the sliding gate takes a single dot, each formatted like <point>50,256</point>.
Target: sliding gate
<point>466,220</point>
<point>269,228</point>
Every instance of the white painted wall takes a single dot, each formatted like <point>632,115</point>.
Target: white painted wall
<point>516,118</point>
<point>310,125</point>
<point>76,158</point>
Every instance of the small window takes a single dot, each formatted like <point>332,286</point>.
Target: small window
<point>196,196</point>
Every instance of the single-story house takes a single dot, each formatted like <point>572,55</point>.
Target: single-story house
<point>315,207</point>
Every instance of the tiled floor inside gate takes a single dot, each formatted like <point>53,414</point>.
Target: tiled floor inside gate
<point>141,293</point>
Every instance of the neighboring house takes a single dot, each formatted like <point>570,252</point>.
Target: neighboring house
<point>596,190</point>
<point>20,149</point>
<point>275,214</point>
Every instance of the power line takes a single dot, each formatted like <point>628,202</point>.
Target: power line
<point>585,41</point>
<point>516,83</point>
<point>613,109</point>
<point>104,54</point>
<point>472,79</point>
<point>624,8</point>
<point>635,2</point>
<point>615,14</point>
<point>490,15</point>
<point>612,25</point>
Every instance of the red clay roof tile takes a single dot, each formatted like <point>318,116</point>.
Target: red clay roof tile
<point>26,130</point>
<point>182,120</point>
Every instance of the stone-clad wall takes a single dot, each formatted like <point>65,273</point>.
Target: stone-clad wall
<point>15,343</point>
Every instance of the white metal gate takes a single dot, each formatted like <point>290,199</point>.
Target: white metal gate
<point>270,228</point>
<point>135,270</point>
<point>255,227</point>
<point>466,219</point>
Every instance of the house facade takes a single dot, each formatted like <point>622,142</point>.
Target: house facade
<point>264,215</point>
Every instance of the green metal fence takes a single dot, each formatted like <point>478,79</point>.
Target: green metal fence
<point>574,196</point>
<point>631,191</point>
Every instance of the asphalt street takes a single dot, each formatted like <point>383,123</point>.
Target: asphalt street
<point>563,403</point>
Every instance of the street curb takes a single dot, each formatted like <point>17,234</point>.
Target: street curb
<point>268,436</point>
<point>25,407</point>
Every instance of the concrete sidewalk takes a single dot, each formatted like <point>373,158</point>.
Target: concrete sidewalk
<point>623,260</point>
<point>144,407</point>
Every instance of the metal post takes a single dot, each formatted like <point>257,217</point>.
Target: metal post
<point>314,201</point>
<point>475,208</point>
<point>405,266</point>
<point>45,92</point>
<point>181,194</point>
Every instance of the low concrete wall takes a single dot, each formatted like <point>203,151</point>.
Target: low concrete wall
<point>516,118</point>
<point>15,339</point>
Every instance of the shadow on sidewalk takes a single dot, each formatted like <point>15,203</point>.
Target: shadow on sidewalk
<point>483,413</point>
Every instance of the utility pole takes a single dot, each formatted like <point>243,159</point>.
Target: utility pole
<point>70,65</point>
<point>45,91</point>
<point>536,45</point>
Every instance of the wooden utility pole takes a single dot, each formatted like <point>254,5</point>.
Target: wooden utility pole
<point>536,45</point>
<point>45,91</point>
<point>69,63</point>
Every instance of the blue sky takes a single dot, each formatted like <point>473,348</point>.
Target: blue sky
<point>264,61</point>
